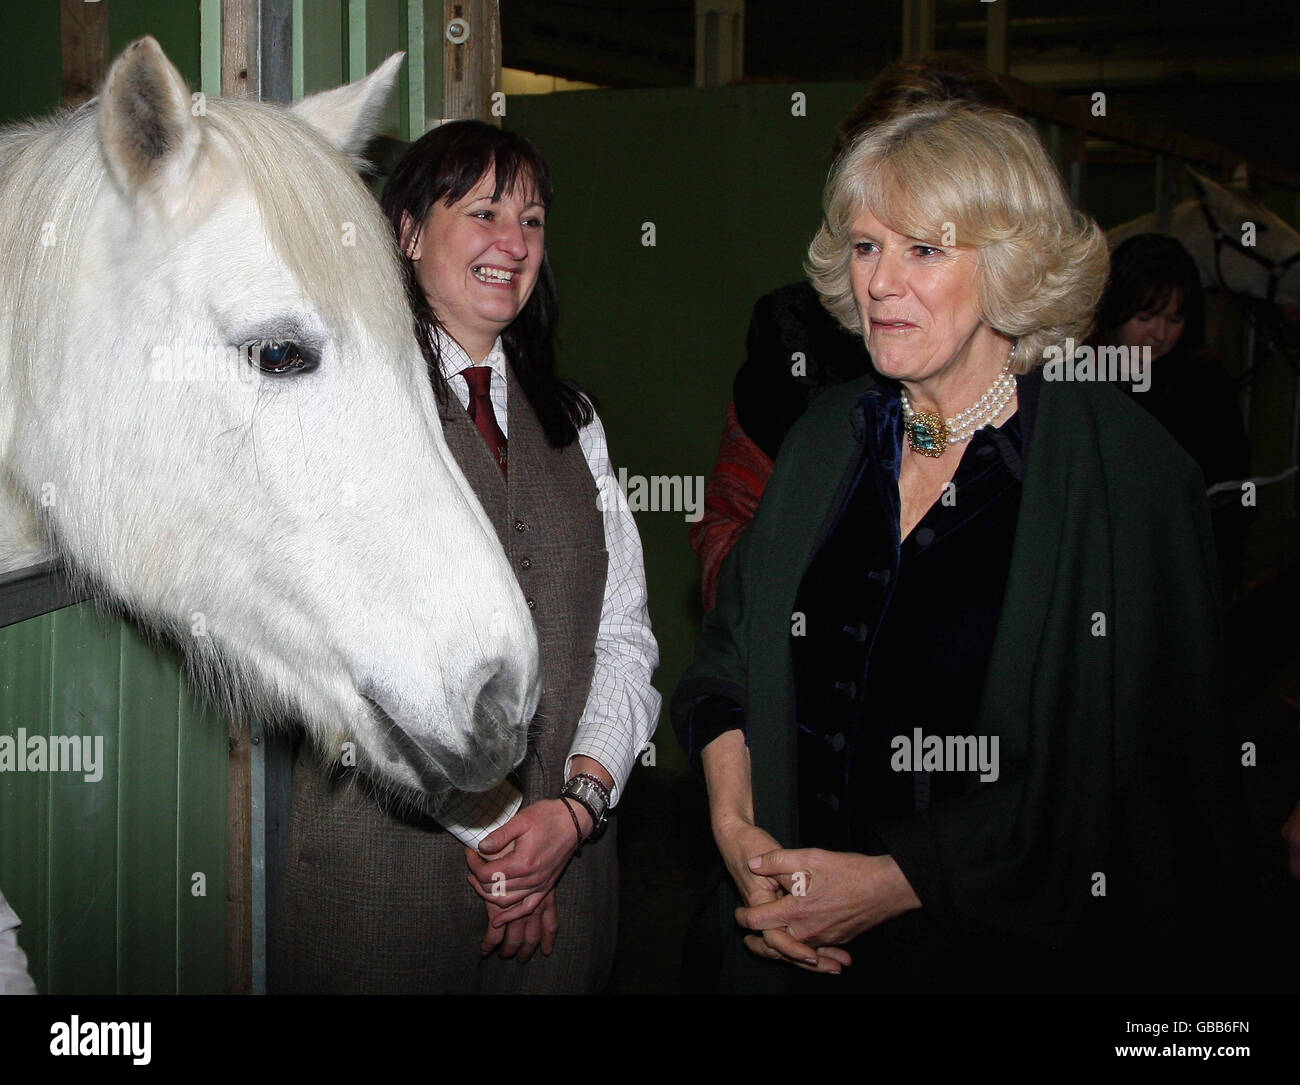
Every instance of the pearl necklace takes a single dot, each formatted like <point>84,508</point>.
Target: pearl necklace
<point>929,434</point>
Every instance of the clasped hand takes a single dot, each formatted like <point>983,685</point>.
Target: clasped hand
<point>806,903</point>
<point>515,871</point>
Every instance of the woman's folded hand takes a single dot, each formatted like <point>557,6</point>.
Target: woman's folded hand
<point>738,840</point>
<point>828,897</point>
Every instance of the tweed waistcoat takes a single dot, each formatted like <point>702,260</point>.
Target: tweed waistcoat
<point>372,902</point>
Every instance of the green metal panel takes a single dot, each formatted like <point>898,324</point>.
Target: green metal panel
<point>31,75</point>
<point>83,825</point>
<point>101,870</point>
<point>732,179</point>
<point>322,32</point>
<point>384,24</point>
<point>25,652</point>
<point>177,26</point>
<point>210,47</point>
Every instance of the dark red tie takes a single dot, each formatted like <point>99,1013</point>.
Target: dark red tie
<point>479,379</point>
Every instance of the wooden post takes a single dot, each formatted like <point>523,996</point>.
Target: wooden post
<point>239,862</point>
<point>238,31</point>
<point>471,67</point>
<point>234,46</point>
<point>719,42</point>
<point>83,30</point>
<point>918,27</point>
<point>995,47</point>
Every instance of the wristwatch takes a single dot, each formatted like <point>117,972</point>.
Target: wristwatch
<point>592,794</point>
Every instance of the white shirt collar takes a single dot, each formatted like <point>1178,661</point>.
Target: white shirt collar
<point>454,358</point>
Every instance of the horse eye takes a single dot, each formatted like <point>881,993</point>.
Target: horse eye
<point>279,357</point>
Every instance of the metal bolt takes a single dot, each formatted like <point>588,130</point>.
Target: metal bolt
<point>458,31</point>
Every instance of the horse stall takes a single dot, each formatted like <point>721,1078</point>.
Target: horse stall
<point>113,846</point>
<point>141,867</point>
<point>675,209</point>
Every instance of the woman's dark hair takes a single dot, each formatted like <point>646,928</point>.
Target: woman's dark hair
<point>920,81</point>
<point>1145,271</point>
<point>443,165</point>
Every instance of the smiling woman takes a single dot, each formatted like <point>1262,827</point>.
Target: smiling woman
<point>382,903</point>
<point>484,265</point>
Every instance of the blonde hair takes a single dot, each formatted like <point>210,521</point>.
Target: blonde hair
<point>981,177</point>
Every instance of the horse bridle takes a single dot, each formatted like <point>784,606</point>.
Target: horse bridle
<point>1276,268</point>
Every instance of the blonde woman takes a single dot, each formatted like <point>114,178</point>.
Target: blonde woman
<point>958,705</point>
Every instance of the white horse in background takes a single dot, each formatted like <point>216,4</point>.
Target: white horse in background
<point>213,409</point>
<point>1240,246</point>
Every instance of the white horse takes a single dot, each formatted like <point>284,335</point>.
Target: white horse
<point>214,410</point>
<point>1239,245</point>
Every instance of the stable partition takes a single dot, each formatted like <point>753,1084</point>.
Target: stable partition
<point>112,803</point>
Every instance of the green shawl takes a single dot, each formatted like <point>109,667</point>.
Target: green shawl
<point>1114,757</point>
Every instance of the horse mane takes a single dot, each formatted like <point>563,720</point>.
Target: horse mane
<point>331,235</point>
<point>324,224</point>
<point>52,174</point>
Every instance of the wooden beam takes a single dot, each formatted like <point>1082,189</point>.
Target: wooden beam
<point>83,31</point>
<point>471,67</point>
<point>918,27</point>
<point>995,44</point>
<point>239,862</point>
<point>1043,102</point>
<point>239,25</point>
<point>719,42</point>
<point>235,57</point>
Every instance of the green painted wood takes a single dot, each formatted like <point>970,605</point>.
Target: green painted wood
<point>383,38</point>
<point>355,26</point>
<point>432,47</point>
<point>31,75</point>
<point>148,786</point>
<point>323,31</point>
<point>83,835</point>
<point>177,26</point>
<point>200,848</point>
<point>101,871</point>
<point>25,651</point>
<point>210,47</point>
<point>732,180</point>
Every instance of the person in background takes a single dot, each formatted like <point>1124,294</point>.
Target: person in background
<point>378,903</point>
<point>1154,301</point>
<point>795,350</point>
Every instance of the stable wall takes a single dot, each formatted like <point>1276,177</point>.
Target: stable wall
<point>731,178</point>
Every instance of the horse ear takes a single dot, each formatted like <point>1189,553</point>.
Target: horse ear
<point>1205,188</point>
<point>347,116</point>
<point>148,135</point>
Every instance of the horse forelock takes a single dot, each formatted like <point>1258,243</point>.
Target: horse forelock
<point>320,219</point>
<point>51,174</point>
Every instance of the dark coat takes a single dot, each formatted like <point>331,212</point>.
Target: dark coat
<point>1104,688</point>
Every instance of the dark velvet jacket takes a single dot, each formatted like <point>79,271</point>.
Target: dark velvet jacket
<point>1104,850</point>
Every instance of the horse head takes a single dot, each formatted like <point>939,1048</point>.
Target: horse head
<point>217,414</point>
<point>1240,245</point>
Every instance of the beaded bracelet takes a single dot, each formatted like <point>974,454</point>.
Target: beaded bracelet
<point>577,825</point>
